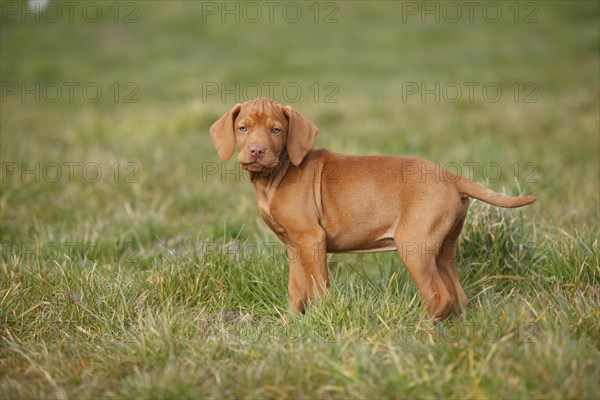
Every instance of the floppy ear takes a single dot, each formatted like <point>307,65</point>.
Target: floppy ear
<point>223,135</point>
<point>301,135</point>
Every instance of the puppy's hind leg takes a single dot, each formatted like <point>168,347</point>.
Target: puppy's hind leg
<point>419,253</point>
<point>446,262</point>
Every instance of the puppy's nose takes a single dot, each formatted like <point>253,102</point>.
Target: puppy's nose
<point>257,150</point>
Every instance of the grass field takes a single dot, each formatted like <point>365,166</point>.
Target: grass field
<point>134,263</point>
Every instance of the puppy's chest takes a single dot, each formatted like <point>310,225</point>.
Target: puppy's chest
<point>264,208</point>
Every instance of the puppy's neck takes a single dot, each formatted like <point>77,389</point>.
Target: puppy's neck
<point>268,178</point>
<point>266,184</point>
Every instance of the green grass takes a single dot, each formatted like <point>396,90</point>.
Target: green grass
<point>170,285</point>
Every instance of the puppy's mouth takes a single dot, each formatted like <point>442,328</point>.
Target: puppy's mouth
<point>258,166</point>
<point>253,166</point>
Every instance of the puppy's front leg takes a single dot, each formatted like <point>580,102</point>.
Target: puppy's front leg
<point>308,278</point>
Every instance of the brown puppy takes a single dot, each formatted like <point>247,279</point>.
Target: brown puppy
<point>317,201</point>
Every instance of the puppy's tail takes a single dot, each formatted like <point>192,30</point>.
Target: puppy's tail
<point>479,192</point>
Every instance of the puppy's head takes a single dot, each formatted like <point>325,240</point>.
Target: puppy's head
<point>264,132</point>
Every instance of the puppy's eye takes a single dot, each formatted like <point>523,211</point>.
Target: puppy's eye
<point>276,131</point>
<point>242,129</point>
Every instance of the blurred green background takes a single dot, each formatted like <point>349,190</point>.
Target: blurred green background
<point>168,52</point>
<point>149,78</point>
